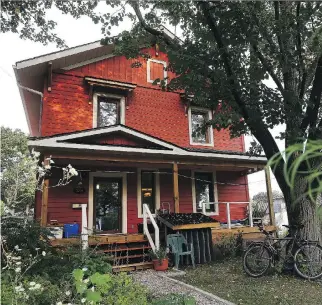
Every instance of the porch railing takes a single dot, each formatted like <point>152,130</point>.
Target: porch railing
<point>155,245</point>
<point>250,211</point>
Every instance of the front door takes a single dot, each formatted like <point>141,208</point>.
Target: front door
<point>108,205</point>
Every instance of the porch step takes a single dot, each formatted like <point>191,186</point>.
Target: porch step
<point>124,249</point>
<point>115,258</point>
<point>133,267</point>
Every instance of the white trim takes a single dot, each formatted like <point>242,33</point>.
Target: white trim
<point>148,69</point>
<point>122,106</point>
<point>91,197</point>
<point>157,190</point>
<point>23,100</point>
<point>87,62</point>
<point>57,55</point>
<point>45,143</point>
<point>109,82</point>
<point>215,190</point>
<point>210,128</point>
<point>93,132</point>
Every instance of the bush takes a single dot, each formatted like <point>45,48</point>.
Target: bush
<point>69,259</point>
<point>228,246</point>
<point>26,233</point>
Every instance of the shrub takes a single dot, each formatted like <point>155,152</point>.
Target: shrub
<point>228,246</point>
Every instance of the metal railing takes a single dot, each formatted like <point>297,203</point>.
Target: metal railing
<point>155,245</point>
<point>206,205</point>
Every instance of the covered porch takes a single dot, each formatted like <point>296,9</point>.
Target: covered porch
<point>126,179</point>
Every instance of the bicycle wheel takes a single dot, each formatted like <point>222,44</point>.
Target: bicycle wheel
<point>308,261</point>
<point>257,260</point>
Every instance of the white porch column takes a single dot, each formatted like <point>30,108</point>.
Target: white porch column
<point>84,227</point>
<point>228,215</point>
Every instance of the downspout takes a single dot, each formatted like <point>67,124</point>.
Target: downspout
<point>41,101</point>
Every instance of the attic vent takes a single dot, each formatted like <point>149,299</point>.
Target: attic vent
<point>156,70</point>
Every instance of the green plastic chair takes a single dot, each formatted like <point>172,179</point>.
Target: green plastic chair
<point>179,247</point>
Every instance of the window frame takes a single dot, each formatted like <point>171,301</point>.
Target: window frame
<point>215,190</point>
<point>157,190</point>
<point>120,107</point>
<point>148,74</point>
<point>209,129</point>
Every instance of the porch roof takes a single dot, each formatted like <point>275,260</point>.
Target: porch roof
<point>81,142</point>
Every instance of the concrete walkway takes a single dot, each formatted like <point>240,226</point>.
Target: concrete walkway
<point>160,283</point>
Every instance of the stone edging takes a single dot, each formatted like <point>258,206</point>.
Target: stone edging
<point>205,293</point>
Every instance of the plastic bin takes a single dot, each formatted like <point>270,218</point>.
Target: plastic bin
<point>71,230</point>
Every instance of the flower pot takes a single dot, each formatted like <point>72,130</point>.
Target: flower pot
<point>160,265</point>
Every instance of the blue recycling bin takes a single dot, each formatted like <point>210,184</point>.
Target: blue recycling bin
<point>71,230</point>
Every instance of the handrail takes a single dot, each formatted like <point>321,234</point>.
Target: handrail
<point>250,213</point>
<point>147,213</point>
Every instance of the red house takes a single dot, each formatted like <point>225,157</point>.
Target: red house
<point>131,142</point>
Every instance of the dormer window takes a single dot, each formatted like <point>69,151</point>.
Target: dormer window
<point>200,134</point>
<point>108,109</point>
<point>156,70</point>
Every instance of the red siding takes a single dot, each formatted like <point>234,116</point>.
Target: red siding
<point>60,199</point>
<point>162,114</point>
<point>232,193</point>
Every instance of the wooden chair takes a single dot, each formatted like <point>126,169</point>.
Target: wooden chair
<point>179,247</point>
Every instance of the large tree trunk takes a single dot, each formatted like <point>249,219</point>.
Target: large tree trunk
<point>302,210</point>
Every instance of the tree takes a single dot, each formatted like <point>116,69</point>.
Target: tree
<point>260,203</point>
<point>22,173</point>
<point>227,54</point>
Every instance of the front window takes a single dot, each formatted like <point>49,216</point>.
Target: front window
<point>200,132</point>
<point>148,190</point>
<point>108,111</point>
<point>204,185</point>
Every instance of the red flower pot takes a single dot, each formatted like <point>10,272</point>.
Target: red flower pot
<point>160,265</point>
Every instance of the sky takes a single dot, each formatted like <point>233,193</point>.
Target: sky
<point>74,32</point>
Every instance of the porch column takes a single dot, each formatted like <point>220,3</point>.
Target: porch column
<point>175,187</point>
<point>269,195</point>
<point>44,199</point>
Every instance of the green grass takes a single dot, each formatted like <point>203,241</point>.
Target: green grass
<point>228,281</point>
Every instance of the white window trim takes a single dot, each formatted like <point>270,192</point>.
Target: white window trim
<point>157,190</point>
<point>165,73</point>
<point>122,106</point>
<point>91,197</point>
<point>214,179</point>
<point>210,128</point>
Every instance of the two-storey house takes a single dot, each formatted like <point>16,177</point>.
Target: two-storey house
<point>131,142</point>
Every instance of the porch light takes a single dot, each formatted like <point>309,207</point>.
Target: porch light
<point>79,188</point>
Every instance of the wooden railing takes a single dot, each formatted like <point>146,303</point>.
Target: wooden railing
<point>250,212</point>
<point>155,245</point>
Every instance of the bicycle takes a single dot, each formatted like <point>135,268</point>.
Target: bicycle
<point>304,256</point>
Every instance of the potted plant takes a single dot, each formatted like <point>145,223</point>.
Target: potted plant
<point>160,259</point>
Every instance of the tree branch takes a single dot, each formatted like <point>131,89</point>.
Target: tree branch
<point>149,29</point>
<point>302,70</point>
<point>277,19</point>
<point>312,111</point>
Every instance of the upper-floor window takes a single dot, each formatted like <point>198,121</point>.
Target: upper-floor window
<point>108,109</point>
<point>200,133</point>
<point>156,70</point>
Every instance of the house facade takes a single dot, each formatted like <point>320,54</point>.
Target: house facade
<point>131,142</point>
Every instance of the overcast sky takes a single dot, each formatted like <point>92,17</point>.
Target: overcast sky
<point>74,32</point>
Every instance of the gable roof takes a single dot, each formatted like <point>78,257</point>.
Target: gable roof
<point>78,142</point>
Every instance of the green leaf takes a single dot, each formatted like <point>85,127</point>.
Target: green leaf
<point>93,296</point>
<point>78,274</point>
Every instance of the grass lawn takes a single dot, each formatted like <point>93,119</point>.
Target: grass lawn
<point>228,281</point>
